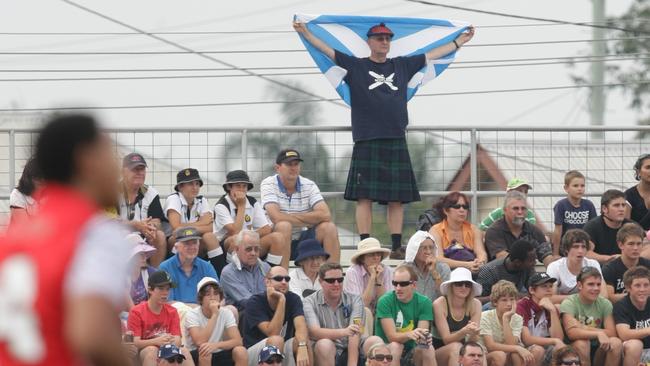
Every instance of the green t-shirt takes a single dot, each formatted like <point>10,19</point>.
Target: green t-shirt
<point>592,315</point>
<point>497,214</point>
<point>419,308</point>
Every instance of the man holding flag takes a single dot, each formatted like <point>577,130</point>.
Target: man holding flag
<point>378,88</point>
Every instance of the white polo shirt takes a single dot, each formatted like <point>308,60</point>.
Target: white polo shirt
<point>177,202</point>
<point>254,218</point>
<point>306,196</point>
<point>140,210</point>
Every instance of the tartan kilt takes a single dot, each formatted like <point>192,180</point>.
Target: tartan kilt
<point>381,171</point>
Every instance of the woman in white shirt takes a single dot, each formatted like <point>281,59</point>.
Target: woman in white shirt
<point>574,246</point>
<point>22,204</point>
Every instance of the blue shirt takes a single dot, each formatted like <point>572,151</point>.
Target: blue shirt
<point>240,282</point>
<point>185,287</point>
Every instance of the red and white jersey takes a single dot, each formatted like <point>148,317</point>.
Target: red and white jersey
<point>68,249</point>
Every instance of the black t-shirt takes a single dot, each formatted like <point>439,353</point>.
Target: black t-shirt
<point>258,310</point>
<point>378,94</point>
<point>626,313</point>
<point>614,270</point>
<point>603,236</point>
<point>639,210</point>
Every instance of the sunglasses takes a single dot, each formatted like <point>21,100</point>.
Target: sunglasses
<point>570,362</point>
<point>383,38</point>
<point>281,278</point>
<point>273,360</point>
<point>176,359</point>
<point>458,206</point>
<point>381,358</point>
<point>463,284</point>
<point>332,280</point>
<point>402,283</point>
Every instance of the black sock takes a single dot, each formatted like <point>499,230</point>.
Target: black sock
<point>218,263</point>
<point>364,236</point>
<point>397,240</point>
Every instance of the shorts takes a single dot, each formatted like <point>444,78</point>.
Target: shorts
<point>218,359</point>
<point>254,352</point>
<point>310,233</point>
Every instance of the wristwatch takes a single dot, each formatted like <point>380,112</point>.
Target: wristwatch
<point>302,344</point>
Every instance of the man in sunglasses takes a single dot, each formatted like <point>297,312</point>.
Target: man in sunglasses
<point>512,227</point>
<point>270,355</point>
<point>275,317</point>
<point>403,320</point>
<point>169,354</point>
<point>335,320</point>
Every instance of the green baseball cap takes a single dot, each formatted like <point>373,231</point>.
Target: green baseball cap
<point>515,183</point>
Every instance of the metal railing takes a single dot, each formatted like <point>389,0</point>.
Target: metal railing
<point>475,160</point>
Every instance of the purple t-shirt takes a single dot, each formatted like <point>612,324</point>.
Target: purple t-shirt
<point>571,217</point>
<point>138,290</point>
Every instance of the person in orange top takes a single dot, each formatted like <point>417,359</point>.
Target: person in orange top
<point>460,243</point>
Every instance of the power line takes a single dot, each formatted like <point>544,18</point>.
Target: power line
<point>221,104</point>
<point>580,24</point>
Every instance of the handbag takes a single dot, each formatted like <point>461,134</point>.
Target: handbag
<point>459,252</point>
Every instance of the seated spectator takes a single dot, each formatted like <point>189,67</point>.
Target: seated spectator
<point>421,254</point>
<point>140,270</point>
<point>501,330</point>
<point>573,211</point>
<point>458,315</point>
<point>291,198</point>
<point>170,354</point>
<point>603,229</point>
<point>630,241</point>
<point>276,318</point>
<point>514,184</point>
<point>155,323</point>
<point>378,355</point>
<point>236,210</point>
<point>632,317</point>
<point>574,245</point>
<point>270,355</point>
<point>588,322</point>
<point>304,279</point>
<point>636,196</point>
<point>566,356</point>
<point>513,226</point>
<point>368,277</point>
<point>460,243</point>
<point>541,319</point>
<point>185,267</point>
<point>22,204</point>
<point>403,318</point>
<point>212,334</point>
<point>244,276</point>
<point>187,208</point>
<point>517,267</point>
<point>139,206</point>
<point>471,354</point>
<point>335,320</point>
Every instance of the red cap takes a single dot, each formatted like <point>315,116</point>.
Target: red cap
<point>379,29</point>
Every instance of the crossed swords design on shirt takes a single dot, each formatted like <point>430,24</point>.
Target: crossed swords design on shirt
<point>381,79</point>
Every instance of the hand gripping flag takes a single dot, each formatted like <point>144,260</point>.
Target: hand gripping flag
<point>347,34</point>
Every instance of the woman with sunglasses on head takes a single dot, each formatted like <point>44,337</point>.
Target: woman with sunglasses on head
<point>566,356</point>
<point>368,277</point>
<point>458,316</point>
<point>378,355</point>
<point>461,243</point>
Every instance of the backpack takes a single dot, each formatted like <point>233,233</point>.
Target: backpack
<point>427,219</point>
<point>224,201</point>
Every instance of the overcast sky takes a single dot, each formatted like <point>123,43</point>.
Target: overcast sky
<point>546,108</point>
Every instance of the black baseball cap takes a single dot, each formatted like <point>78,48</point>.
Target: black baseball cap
<point>187,175</point>
<point>133,160</point>
<point>287,155</point>
<point>540,278</point>
<point>160,278</point>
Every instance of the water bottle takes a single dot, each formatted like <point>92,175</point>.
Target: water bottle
<point>399,321</point>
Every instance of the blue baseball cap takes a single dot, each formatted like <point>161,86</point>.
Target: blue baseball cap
<point>268,352</point>
<point>168,351</point>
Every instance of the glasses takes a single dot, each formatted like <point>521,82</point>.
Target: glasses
<point>281,278</point>
<point>402,283</point>
<point>458,206</point>
<point>176,359</point>
<point>252,249</point>
<point>570,362</point>
<point>273,360</point>
<point>332,280</point>
<point>463,284</point>
<point>381,358</point>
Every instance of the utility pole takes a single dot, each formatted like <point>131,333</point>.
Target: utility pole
<point>597,100</point>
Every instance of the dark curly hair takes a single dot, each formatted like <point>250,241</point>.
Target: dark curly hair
<point>447,201</point>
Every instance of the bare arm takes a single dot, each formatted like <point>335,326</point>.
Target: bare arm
<point>276,215</point>
<point>300,325</point>
<point>174,219</point>
<point>233,339</point>
<point>446,49</point>
<point>388,325</point>
<point>204,225</point>
<point>555,239</point>
<point>612,296</point>
<point>625,333</point>
<point>610,326</point>
<point>491,345</point>
<point>274,326</point>
<point>320,45</point>
<point>319,213</point>
<point>479,247</point>
<point>576,331</point>
<point>264,230</point>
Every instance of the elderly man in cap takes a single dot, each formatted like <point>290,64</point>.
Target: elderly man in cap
<point>185,267</point>
<point>213,337</point>
<point>169,354</point>
<point>187,207</point>
<point>381,170</point>
<point>236,210</point>
<point>292,199</point>
<point>514,184</point>
<point>305,278</point>
<point>270,355</point>
<point>139,205</point>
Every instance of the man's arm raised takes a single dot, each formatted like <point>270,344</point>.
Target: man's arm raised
<point>320,45</point>
<point>448,48</point>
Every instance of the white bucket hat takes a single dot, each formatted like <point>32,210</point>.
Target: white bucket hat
<point>461,274</point>
<point>414,245</point>
<point>367,246</point>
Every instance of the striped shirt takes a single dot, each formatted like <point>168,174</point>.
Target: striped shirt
<point>306,196</point>
<point>318,313</point>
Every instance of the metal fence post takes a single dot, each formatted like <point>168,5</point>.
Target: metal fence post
<point>12,160</point>
<point>244,150</point>
<point>473,176</point>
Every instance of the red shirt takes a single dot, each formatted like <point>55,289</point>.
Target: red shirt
<point>37,256</point>
<point>147,325</point>
<point>537,319</point>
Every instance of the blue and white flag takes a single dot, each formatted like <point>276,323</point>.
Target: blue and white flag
<point>347,34</point>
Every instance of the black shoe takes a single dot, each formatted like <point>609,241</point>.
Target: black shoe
<point>399,253</point>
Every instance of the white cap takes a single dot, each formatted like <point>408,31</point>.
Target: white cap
<point>204,281</point>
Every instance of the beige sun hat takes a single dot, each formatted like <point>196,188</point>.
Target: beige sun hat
<point>367,246</point>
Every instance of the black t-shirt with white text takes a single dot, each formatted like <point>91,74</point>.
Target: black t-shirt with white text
<point>614,270</point>
<point>626,313</point>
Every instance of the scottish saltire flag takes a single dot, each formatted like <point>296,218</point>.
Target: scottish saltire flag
<point>347,34</point>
